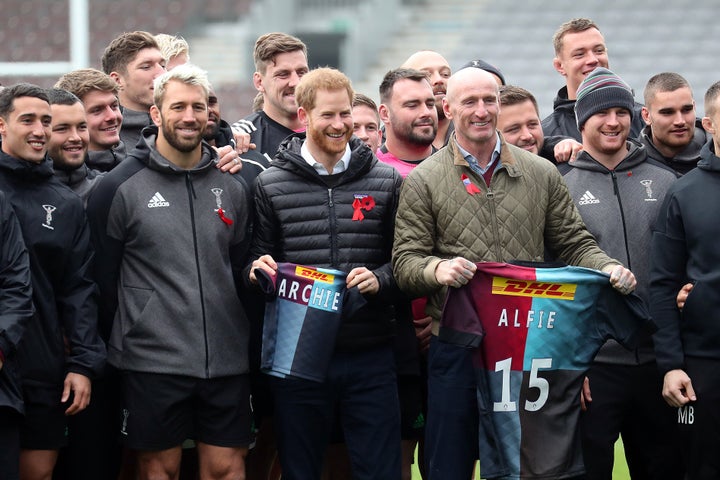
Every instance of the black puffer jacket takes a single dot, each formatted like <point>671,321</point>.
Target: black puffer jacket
<point>562,120</point>
<point>300,219</point>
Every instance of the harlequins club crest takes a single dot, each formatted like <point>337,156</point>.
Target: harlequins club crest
<point>49,209</point>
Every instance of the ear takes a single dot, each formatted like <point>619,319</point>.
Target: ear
<point>257,82</point>
<point>446,109</point>
<point>155,115</point>
<point>384,113</point>
<point>303,116</point>
<point>557,65</point>
<point>118,79</point>
<point>3,127</point>
<point>645,115</point>
<point>707,124</point>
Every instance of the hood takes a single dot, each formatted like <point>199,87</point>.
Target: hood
<point>684,161</point>
<point>561,101</point>
<point>289,158</point>
<point>636,155</point>
<point>74,176</point>
<point>106,160</point>
<point>709,160</point>
<point>25,170</point>
<point>147,154</point>
<point>224,135</point>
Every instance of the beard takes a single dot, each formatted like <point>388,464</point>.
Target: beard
<point>420,137</point>
<point>211,131</point>
<point>179,143</point>
<point>320,139</point>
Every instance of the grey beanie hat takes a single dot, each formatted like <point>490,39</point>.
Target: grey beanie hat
<point>600,90</point>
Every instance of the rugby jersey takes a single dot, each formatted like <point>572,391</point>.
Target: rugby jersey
<point>302,316</point>
<point>535,332</point>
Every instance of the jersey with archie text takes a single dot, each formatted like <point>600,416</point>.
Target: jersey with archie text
<point>535,332</point>
<point>302,319</point>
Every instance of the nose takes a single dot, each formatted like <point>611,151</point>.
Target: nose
<point>611,118</point>
<point>361,133</point>
<point>75,135</point>
<point>294,79</point>
<point>678,118</point>
<point>39,129</point>
<point>525,133</point>
<point>159,70</point>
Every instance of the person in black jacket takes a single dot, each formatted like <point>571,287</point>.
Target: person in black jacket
<point>579,49</point>
<point>519,123</point>
<point>56,382</point>
<point>16,310</point>
<point>673,135</point>
<point>280,61</point>
<point>684,249</point>
<point>326,201</point>
<point>99,95</point>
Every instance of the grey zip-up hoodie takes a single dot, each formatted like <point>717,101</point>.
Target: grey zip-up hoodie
<point>619,207</point>
<point>170,246</point>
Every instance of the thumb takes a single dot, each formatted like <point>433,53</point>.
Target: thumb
<point>66,391</point>
<point>689,391</point>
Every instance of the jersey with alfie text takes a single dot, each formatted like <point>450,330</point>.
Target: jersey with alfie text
<point>535,332</point>
<point>302,319</point>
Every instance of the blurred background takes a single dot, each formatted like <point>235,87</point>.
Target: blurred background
<point>41,39</point>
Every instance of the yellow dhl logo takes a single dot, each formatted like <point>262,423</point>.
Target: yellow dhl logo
<point>312,274</point>
<point>532,288</point>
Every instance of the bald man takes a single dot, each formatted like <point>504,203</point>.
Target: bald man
<point>437,243</point>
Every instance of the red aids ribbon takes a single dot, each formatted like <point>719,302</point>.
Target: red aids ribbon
<point>471,188</point>
<point>362,202</point>
<point>222,216</point>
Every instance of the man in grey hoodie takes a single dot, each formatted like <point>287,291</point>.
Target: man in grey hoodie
<point>618,191</point>
<point>170,231</point>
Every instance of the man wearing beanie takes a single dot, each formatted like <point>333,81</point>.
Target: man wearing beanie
<point>579,48</point>
<point>618,191</point>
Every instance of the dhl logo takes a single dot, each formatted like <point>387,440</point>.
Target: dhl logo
<point>529,288</point>
<point>312,274</point>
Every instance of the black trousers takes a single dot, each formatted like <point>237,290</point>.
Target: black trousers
<point>627,401</point>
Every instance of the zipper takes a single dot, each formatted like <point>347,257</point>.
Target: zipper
<point>191,197</point>
<point>616,191</point>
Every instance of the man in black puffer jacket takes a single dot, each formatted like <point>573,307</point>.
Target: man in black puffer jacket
<point>326,201</point>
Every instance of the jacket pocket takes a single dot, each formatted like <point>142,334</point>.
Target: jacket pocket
<point>135,303</point>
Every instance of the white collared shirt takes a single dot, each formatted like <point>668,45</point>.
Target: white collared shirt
<point>339,167</point>
<point>472,161</point>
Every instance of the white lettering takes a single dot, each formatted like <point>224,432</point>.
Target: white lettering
<point>503,322</point>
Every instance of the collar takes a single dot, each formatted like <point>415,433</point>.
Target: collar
<point>340,166</point>
<point>472,161</point>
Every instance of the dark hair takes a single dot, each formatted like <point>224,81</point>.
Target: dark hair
<point>123,50</point>
<point>393,76</point>
<point>575,25</point>
<point>9,94</point>
<point>663,82</point>
<point>268,46</point>
<point>364,100</point>
<point>512,95</point>
<point>58,96</point>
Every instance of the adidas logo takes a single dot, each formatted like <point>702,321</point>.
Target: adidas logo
<point>588,198</point>
<point>158,201</point>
